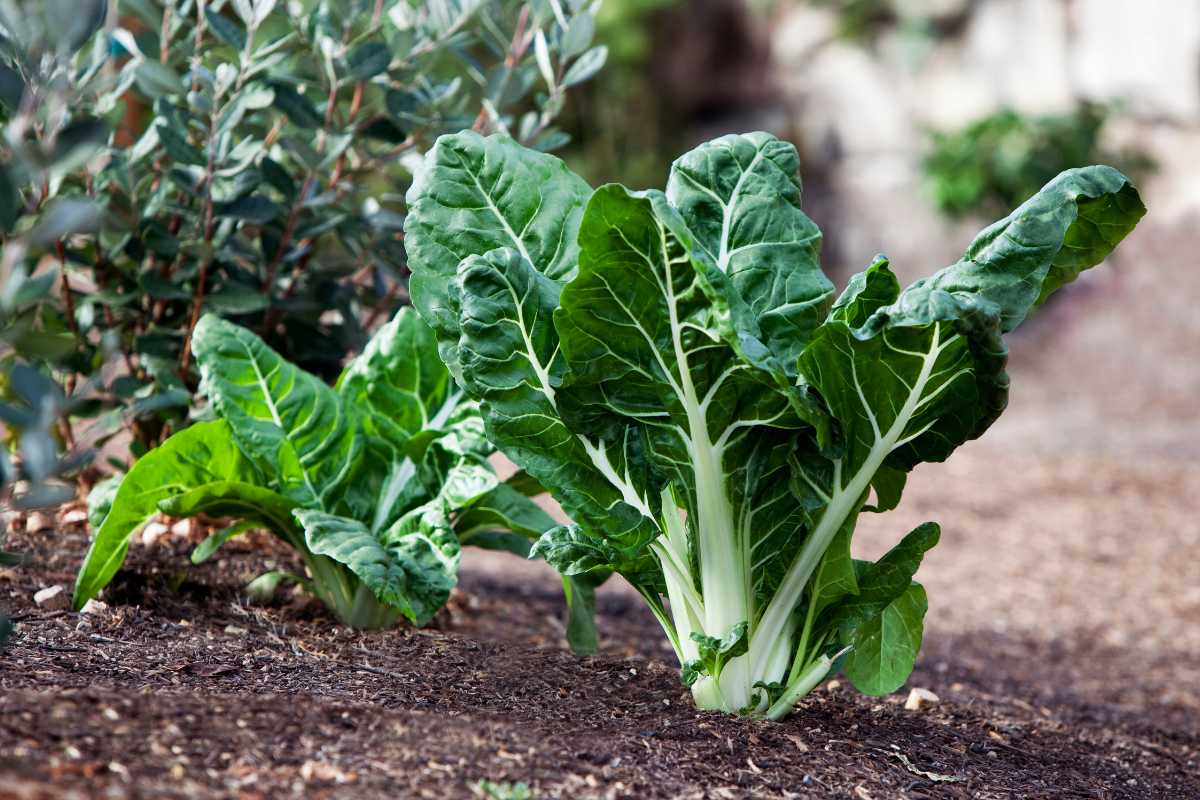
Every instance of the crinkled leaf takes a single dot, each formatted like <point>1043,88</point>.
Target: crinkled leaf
<point>287,421</point>
<point>740,197</point>
<point>399,382</point>
<point>509,351</point>
<point>474,195</point>
<point>426,547</point>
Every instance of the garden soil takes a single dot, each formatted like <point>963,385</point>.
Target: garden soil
<point>1062,641</point>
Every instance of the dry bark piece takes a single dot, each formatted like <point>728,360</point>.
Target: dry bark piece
<point>53,598</point>
<point>918,698</point>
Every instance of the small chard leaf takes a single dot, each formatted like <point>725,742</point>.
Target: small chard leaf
<point>263,589</point>
<point>885,580</point>
<point>571,551</point>
<point>885,647</point>
<point>466,483</point>
<point>423,542</point>
<point>100,500</point>
<point>715,651</point>
<point>351,543</point>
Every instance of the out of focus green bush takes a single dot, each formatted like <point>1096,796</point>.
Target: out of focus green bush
<point>999,161</point>
<point>164,158</point>
<point>621,122</point>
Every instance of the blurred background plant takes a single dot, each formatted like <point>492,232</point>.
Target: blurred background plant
<point>677,73</point>
<point>997,162</point>
<point>164,158</point>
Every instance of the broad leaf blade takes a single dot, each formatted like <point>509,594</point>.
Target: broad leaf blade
<point>1072,224</point>
<point>474,195</point>
<point>426,548</point>
<point>509,350</point>
<point>740,196</point>
<point>351,543</point>
<point>886,645</point>
<point>291,424</point>
<point>195,456</point>
<point>399,382</point>
<point>503,508</point>
<point>235,498</point>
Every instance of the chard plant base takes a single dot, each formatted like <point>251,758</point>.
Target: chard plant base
<point>292,700</point>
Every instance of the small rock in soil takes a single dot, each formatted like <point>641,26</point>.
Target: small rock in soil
<point>94,607</point>
<point>53,598</point>
<point>153,533</point>
<point>317,771</point>
<point>919,698</point>
<point>38,521</point>
<point>75,516</point>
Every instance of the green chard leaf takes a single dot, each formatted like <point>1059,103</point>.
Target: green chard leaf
<point>477,194</point>
<point>195,457</point>
<point>287,421</point>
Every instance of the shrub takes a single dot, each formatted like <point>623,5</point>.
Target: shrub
<point>1000,160</point>
<point>239,157</point>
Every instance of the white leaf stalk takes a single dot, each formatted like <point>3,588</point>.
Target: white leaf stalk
<point>725,582</point>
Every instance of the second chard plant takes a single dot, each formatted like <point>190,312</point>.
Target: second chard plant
<point>374,482</point>
<point>674,367</point>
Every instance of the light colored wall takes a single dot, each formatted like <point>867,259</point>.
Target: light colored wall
<point>864,108</point>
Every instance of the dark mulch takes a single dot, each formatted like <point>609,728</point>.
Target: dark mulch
<point>179,689</point>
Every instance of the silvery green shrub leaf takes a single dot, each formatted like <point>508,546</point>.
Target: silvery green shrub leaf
<point>100,499</point>
<point>675,374</point>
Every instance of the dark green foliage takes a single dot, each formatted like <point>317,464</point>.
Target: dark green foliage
<point>246,158</point>
<point>1001,160</point>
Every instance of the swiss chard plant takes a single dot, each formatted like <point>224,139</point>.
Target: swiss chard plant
<point>375,482</point>
<point>676,369</point>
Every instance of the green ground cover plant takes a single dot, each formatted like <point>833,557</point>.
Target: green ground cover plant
<point>375,482</point>
<point>677,371</point>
